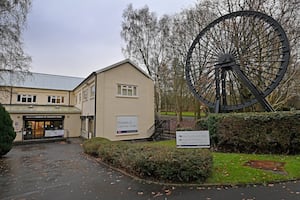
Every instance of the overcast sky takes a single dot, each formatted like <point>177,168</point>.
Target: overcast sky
<point>77,37</point>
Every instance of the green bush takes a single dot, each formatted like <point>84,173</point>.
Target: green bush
<point>277,132</point>
<point>162,163</point>
<point>7,133</point>
<point>92,146</point>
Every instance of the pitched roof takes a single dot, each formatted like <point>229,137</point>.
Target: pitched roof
<point>114,66</point>
<point>39,81</point>
<point>121,63</point>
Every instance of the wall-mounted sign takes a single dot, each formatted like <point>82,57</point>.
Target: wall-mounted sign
<point>43,117</point>
<point>192,139</point>
<point>127,124</point>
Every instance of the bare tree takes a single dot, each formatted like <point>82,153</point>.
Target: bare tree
<point>185,27</point>
<point>145,39</point>
<point>12,22</point>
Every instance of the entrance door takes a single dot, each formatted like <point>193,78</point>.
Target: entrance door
<point>39,129</point>
<point>34,129</point>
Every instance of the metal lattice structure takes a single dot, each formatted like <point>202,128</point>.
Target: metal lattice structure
<point>237,61</point>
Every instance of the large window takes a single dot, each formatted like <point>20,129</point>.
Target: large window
<point>39,127</point>
<point>26,98</point>
<point>56,99</point>
<point>127,90</point>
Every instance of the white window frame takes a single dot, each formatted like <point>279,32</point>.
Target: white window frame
<point>79,98</point>
<point>28,98</point>
<point>56,99</point>
<point>92,91</point>
<point>85,94</point>
<point>125,90</point>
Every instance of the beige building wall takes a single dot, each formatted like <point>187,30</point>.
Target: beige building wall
<point>72,125</point>
<point>84,96</point>
<point>9,96</point>
<point>111,106</point>
<point>5,95</point>
<point>41,107</point>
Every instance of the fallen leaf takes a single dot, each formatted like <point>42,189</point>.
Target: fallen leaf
<point>157,195</point>
<point>168,192</point>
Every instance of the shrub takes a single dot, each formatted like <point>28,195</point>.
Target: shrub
<point>163,163</point>
<point>91,146</point>
<point>277,132</point>
<point>7,133</point>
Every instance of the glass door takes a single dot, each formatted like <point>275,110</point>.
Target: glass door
<point>39,129</point>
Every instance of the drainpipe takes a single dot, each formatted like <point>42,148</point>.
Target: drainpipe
<point>95,109</point>
<point>10,99</point>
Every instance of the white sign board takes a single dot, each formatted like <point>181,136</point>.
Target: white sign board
<point>127,124</point>
<point>192,139</point>
<point>54,133</point>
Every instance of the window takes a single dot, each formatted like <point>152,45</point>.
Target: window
<point>127,90</point>
<point>56,99</point>
<point>79,98</point>
<point>92,91</point>
<point>26,98</point>
<point>85,95</point>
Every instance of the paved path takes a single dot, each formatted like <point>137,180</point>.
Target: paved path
<point>62,171</point>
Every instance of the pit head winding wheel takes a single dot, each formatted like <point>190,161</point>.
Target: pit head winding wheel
<point>237,61</point>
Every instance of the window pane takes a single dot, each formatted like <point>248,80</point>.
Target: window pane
<point>92,90</point>
<point>130,92</point>
<point>119,90</point>
<point>23,98</point>
<point>124,91</point>
<point>19,98</point>
<point>34,99</point>
<point>62,99</point>
<point>49,99</point>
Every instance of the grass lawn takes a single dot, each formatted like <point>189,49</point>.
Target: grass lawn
<point>229,168</point>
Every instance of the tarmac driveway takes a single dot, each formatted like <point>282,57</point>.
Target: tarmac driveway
<point>62,171</point>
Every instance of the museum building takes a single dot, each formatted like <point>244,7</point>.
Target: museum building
<point>116,102</point>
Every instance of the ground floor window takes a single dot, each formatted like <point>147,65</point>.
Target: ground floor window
<point>38,127</point>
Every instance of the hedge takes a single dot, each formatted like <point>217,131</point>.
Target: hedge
<point>276,132</point>
<point>159,163</point>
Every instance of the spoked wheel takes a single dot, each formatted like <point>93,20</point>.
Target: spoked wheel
<point>237,60</point>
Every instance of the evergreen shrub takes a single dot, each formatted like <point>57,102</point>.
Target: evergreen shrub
<point>7,133</point>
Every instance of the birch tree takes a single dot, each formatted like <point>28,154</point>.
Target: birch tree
<point>13,14</point>
<point>145,43</point>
